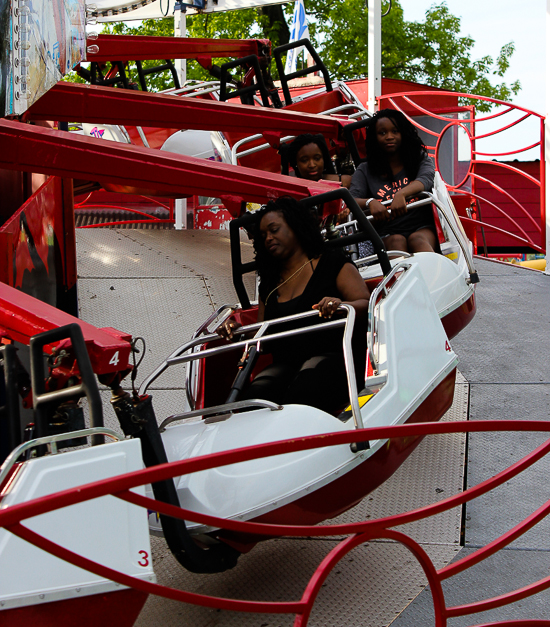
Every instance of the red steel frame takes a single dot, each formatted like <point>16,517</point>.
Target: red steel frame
<point>153,172</point>
<point>22,317</point>
<point>360,532</point>
<point>91,103</point>
<point>522,239</point>
<point>142,48</point>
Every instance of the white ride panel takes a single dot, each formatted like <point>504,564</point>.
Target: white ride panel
<point>106,530</point>
<point>414,356</point>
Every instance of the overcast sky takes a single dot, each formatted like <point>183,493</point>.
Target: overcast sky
<point>493,23</point>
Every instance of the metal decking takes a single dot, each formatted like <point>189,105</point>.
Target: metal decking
<point>162,284</point>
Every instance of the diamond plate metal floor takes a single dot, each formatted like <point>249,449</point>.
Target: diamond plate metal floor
<point>161,285</point>
<point>371,585</point>
<point>504,356</point>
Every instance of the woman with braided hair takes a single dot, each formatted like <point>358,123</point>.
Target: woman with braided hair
<point>397,168</point>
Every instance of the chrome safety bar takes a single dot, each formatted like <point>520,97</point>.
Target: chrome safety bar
<point>237,155</point>
<point>52,441</point>
<point>384,288</point>
<point>417,203</point>
<point>142,137</point>
<point>260,338</point>
<point>202,87</point>
<point>226,410</point>
<point>194,341</point>
<point>392,254</point>
<point>428,199</point>
<point>164,365</point>
<point>458,236</point>
<point>189,372</point>
<point>123,130</point>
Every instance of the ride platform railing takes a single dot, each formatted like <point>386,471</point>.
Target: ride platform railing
<point>358,533</point>
<point>510,198</point>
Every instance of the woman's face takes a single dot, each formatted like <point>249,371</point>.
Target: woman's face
<point>279,239</point>
<point>310,162</point>
<point>388,136</point>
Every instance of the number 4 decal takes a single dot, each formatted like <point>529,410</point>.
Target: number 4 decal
<point>447,346</point>
<point>114,359</point>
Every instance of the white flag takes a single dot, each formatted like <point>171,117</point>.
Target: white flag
<point>298,31</point>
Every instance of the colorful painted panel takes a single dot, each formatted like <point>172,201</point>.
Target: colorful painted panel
<point>48,40</point>
<point>37,259</point>
<point>5,36</point>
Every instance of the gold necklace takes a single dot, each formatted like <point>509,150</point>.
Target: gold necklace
<point>287,280</point>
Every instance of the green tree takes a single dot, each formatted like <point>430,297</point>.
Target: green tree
<point>431,52</point>
<point>264,23</point>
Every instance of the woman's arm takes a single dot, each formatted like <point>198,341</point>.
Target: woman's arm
<point>424,180</point>
<point>399,203</point>
<point>352,288</point>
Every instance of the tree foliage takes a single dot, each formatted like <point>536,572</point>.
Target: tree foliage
<point>431,52</point>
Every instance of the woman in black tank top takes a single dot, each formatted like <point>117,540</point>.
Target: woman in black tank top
<point>298,274</point>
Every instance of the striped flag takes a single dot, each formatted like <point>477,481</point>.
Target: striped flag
<point>298,31</point>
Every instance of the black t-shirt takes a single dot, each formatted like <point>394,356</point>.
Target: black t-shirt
<point>322,283</point>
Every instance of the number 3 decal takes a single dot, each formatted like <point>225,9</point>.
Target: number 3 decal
<point>144,561</point>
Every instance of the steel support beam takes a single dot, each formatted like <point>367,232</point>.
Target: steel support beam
<point>374,54</point>
<point>71,102</point>
<point>142,48</point>
<point>143,170</point>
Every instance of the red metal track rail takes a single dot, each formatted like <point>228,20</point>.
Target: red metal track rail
<point>12,517</point>
<point>88,103</point>
<point>34,149</point>
<point>142,48</point>
<point>22,317</point>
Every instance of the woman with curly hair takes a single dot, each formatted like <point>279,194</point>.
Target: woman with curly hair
<point>310,159</point>
<point>397,168</point>
<point>297,274</point>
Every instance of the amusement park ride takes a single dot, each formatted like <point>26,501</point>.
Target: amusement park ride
<point>226,473</point>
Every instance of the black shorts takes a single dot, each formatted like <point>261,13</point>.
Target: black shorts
<point>415,220</point>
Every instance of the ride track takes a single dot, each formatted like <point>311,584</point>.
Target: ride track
<point>358,532</point>
<point>157,110</point>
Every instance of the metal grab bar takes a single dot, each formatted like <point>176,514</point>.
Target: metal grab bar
<point>189,372</point>
<point>227,408</point>
<point>202,87</point>
<point>52,440</point>
<point>383,286</point>
<point>416,203</point>
<point>197,341</point>
<point>237,155</point>
<point>244,343</point>
<point>392,254</point>
<point>474,277</point>
<point>260,338</point>
<point>430,198</point>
